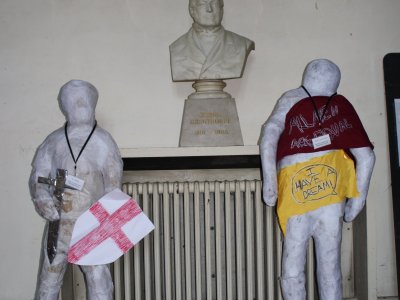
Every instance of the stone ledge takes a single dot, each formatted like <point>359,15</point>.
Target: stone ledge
<point>189,151</point>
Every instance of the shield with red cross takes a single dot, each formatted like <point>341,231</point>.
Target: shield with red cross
<point>108,229</point>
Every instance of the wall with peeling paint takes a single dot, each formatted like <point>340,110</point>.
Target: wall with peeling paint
<point>121,46</point>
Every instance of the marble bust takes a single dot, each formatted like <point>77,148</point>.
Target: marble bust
<point>207,50</point>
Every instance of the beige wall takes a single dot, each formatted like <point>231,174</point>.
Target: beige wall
<point>121,46</point>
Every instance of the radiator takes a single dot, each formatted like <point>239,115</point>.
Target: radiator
<point>212,240</point>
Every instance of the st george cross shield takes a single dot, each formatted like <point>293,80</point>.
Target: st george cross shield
<point>108,229</point>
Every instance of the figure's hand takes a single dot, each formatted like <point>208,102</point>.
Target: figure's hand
<point>270,193</point>
<point>46,208</point>
<point>365,161</point>
<point>352,208</point>
<point>269,196</point>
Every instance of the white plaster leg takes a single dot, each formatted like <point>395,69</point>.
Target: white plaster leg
<point>327,239</point>
<point>98,282</point>
<point>294,258</point>
<point>51,275</point>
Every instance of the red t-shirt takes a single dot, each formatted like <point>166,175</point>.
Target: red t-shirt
<point>340,121</point>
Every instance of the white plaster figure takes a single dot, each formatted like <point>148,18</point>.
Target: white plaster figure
<point>99,165</point>
<point>207,50</point>
<point>305,147</point>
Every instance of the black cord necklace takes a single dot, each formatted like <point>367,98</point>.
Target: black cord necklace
<point>84,145</point>
<point>320,118</point>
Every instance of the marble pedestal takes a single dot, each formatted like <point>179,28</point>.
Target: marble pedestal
<point>210,117</point>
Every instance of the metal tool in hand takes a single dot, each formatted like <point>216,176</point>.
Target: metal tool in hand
<point>59,185</point>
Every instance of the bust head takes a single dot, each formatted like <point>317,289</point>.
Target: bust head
<point>207,13</point>
<point>77,100</point>
<point>321,77</point>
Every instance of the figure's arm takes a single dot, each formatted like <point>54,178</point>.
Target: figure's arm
<point>365,161</point>
<point>271,131</point>
<point>112,169</point>
<point>42,194</point>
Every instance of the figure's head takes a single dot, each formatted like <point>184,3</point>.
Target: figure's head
<point>321,77</point>
<point>207,13</point>
<point>77,100</point>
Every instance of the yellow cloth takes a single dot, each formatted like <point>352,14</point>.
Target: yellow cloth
<point>318,182</point>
